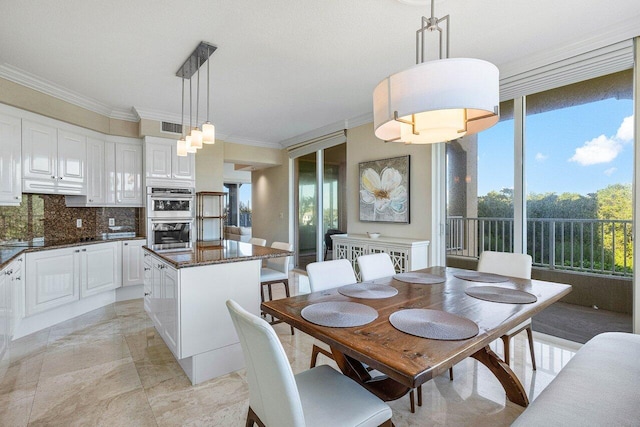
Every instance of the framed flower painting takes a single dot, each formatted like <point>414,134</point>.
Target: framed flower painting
<point>384,190</point>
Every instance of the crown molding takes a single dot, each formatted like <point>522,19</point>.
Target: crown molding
<point>38,84</point>
<point>157,115</point>
<point>360,120</point>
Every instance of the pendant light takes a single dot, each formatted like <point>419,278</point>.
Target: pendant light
<point>191,142</point>
<point>439,100</point>
<point>181,149</point>
<point>208,129</point>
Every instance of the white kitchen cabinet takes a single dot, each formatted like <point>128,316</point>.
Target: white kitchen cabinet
<point>162,302</point>
<point>163,166</point>
<point>52,279</point>
<point>17,285</point>
<point>99,268</point>
<point>96,177</point>
<point>132,262</point>
<point>10,161</point>
<point>54,160</point>
<point>128,174</point>
<point>5,310</point>
<point>405,254</point>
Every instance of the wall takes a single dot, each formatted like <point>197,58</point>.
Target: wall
<point>31,100</point>
<point>210,167</point>
<point>362,145</point>
<point>270,202</point>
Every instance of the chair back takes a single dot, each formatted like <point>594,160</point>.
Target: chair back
<point>375,266</point>
<point>505,263</point>
<point>258,241</point>
<point>328,241</point>
<point>330,274</point>
<point>280,264</point>
<point>273,393</point>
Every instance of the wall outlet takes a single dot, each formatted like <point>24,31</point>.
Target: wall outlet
<point>79,222</point>
<point>112,222</point>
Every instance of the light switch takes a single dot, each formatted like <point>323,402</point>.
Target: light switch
<point>112,222</point>
<point>79,222</point>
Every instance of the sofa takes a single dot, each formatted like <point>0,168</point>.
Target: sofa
<point>241,234</point>
<point>598,387</point>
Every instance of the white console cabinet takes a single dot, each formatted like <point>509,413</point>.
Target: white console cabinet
<point>406,254</point>
<point>161,299</point>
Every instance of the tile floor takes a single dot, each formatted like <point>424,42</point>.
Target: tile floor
<point>109,367</point>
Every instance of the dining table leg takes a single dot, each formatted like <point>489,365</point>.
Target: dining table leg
<point>510,382</point>
<point>386,389</point>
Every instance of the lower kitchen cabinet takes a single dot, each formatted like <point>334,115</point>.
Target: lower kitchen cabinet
<point>132,262</point>
<point>56,277</point>
<point>99,268</point>
<point>5,310</point>
<point>161,300</point>
<point>53,279</point>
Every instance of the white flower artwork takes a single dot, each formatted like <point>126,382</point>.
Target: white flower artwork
<point>384,190</point>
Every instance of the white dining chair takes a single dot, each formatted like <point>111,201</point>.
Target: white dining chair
<point>320,396</point>
<point>377,266</point>
<point>514,265</point>
<point>258,241</point>
<point>276,271</point>
<point>326,275</point>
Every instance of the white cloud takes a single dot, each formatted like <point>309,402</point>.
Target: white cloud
<point>625,131</point>
<point>603,149</point>
<point>610,171</point>
<point>598,150</point>
<point>541,157</point>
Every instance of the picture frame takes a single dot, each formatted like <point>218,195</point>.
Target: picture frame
<point>384,190</point>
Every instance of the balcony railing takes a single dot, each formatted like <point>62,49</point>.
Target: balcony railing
<point>586,245</point>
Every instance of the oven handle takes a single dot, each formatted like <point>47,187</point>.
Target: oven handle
<point>187,198</point>
<point>189,220</point>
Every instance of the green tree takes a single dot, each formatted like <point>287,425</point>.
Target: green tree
<point>614,203</point>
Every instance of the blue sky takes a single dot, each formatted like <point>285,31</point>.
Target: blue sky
<point>576,149</point>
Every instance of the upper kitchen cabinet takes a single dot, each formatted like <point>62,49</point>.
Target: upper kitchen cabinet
<point>54,160</point>
<point>163,167</point>
<point>124,174</point>
<point>10,161</point>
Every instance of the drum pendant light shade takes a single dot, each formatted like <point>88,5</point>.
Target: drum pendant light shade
<point>439,100</point>
<point>448,98</point>
<point>181,149</point>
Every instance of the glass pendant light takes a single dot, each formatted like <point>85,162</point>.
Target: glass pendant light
<point>208,129</point>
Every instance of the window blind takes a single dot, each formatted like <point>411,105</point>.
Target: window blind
<point>315,144</point>
<point>595,63</point>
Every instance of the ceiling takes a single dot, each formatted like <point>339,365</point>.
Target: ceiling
<point>283,68</point>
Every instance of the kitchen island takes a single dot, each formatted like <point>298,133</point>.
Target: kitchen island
<point>185,295</point>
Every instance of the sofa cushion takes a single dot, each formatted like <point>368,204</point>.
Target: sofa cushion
<point>598,387</point>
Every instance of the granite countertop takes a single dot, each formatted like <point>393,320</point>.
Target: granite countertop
<point>217,252</point>
<point>11,250</point>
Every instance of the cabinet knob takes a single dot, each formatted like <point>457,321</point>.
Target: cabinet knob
<point>84,250</point>
<point>53,177</point>
<point>77,251</point>
<point>17,198</point>
<point>8,272</point>
<point>146,294</point>
<point>147,269</point>
<point>60,178</point>
<point>18,278</point>
<point>90,200</point>
<point>126,244</point>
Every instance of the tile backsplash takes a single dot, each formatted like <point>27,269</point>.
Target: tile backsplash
<point>46,216</point>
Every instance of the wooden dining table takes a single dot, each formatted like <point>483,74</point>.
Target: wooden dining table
<point>409,361</point>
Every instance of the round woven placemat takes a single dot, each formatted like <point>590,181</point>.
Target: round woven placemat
<point>339,314</point>
<point>368,290</point>
<point>476,276</point>
<point>421,278</point>
<point>503,295</point>
<point>433,324</point>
